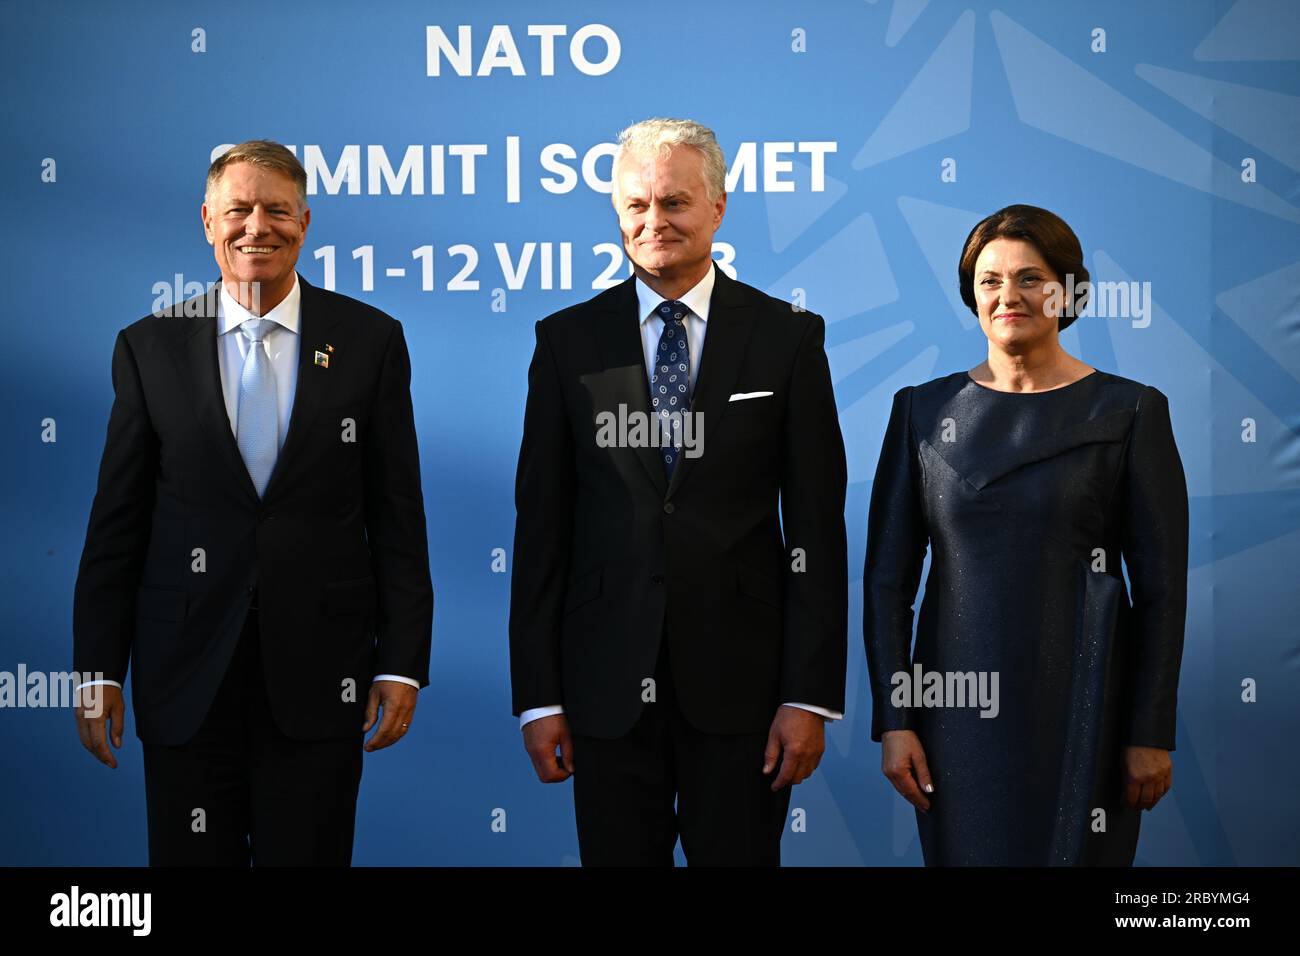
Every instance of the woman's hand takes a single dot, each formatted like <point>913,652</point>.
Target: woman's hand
<point>1148,776</point>
<point>902,760</point>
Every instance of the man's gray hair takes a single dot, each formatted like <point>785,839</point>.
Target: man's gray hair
<point>658,137</point>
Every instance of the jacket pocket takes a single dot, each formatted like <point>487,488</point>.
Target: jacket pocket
<point>760,587</point>
<point>356,596</point>
<point>160,604</point>
<point>584,590</point>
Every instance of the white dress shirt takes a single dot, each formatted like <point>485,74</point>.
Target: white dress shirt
<point>652,327</point>
<point>281,345</point>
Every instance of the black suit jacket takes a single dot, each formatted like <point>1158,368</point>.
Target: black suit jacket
<point>607,550</point>
<point>336,547</point>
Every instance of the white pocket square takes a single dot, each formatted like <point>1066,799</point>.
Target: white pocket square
<point>741,396</point>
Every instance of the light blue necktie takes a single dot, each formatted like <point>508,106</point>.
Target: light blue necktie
<point>257,424</point>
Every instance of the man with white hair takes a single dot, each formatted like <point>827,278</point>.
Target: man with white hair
<point>674,635</point>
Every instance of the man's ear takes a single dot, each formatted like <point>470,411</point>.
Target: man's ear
<point>207,224</point>
<point>720,210</point>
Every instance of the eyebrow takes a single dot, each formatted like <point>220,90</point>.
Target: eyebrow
<point>636,197</point>
<point>251,202</point>
<point>992,272</point>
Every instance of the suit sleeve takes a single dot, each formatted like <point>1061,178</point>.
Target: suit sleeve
<point>1155,552</point>
<point>544,484</point>
<point>813,483</point>
<point>117,535</point>
<point>896,545</point>
<point>395,527</point>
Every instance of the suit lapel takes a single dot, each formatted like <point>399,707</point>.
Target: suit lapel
<point>617,328</point>
<point>198,357</point>
<point>315,323</point>
<point>725,340</point>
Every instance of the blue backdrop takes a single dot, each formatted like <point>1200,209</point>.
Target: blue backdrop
<point>1166,133</point>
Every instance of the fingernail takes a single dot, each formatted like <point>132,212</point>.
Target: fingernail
<point>929,788</point>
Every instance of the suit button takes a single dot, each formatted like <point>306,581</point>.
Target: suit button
<point>668,508</point>
<point>656,579</point>
<point>250,589</point>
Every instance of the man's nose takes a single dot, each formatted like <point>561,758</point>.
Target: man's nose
<point>255,223</point>
<point>654,217</point>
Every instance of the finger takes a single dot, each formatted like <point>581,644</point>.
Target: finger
<point>372,709</point>
<point>922,769</point>
<point>1147,793</point>
<point>99,743</point>
<point>387,733</point>
<point>117,718</point>
<point>905,784</point>
<point>566,752</point>
<point>543,756</point>
<point>1132,793</point>
<point>789,767</point>
<point>772,750</point>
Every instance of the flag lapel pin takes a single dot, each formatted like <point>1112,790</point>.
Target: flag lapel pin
<point>322,358</point>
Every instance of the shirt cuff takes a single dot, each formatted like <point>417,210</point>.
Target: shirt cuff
<point>92,683</point>
<point>537,713</point>
<point>822,711</point>
<point>400,680</point>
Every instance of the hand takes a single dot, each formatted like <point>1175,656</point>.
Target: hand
<point>798,737</point>
<point>541,737</point>
<point>398,701</point>
<point>100,715</point>
<point>902,760</point>
<point>1148,776</point>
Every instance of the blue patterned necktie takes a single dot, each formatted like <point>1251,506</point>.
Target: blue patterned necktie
<point>257,423</point>
<point>670,380</point>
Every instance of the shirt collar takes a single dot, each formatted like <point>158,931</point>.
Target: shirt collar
<point>697,299</point>
<point>231,315</point>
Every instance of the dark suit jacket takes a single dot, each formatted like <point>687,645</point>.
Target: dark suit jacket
<point>606,550</point>
<point>336,548</point>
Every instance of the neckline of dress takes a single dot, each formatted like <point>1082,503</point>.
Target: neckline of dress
<point>1041,391</point>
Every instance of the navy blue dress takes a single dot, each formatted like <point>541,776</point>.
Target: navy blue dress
<point>1028,502</point>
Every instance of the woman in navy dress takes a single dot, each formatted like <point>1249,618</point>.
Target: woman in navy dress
<point>1032,723</point>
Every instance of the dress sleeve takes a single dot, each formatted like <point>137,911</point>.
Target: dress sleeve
<point>896,544</point>
<point>1155,553</point>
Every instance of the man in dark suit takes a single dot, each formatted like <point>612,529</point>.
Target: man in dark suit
<point>678,640</point>
<point>256,548</point>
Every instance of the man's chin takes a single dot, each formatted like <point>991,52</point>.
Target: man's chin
<point>657,265</point>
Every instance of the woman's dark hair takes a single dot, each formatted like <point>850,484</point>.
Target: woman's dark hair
<point>1045,231</point>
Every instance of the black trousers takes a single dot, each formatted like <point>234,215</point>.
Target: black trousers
<point>635,795</point>
<point>241,792</point>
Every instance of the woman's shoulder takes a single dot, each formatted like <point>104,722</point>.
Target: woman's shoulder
<point>937,388</point>
<point>1127,392</point>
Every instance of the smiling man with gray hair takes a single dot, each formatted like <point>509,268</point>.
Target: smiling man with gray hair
<point>678,621</point>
